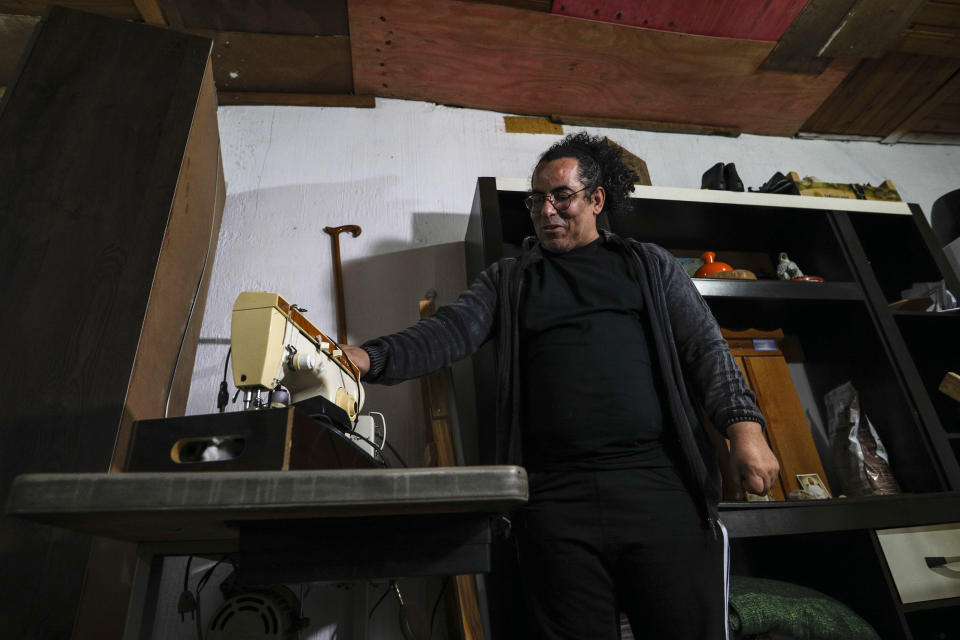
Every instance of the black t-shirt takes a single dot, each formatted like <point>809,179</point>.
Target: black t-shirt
<point>591,397</point>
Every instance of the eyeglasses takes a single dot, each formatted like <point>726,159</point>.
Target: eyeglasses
<point>560,201</point>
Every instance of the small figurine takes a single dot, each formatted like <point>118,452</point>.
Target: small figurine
<point>787,269</point>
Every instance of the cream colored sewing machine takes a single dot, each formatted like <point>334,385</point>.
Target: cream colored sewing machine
<point>273,344</point>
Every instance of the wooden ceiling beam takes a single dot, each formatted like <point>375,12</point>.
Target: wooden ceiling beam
<point>648,125</point>
<point>295,99</point>
<point>123,9</point>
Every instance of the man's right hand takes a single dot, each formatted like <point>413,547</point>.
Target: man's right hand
<point>358,357</point>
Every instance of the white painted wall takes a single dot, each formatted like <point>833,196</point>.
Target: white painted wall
<point>406,173</point>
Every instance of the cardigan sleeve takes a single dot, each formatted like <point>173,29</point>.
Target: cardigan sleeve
<point>454,332</point>
<point>709,368</point>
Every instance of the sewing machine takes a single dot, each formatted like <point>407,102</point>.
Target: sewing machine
<point>274,345</point>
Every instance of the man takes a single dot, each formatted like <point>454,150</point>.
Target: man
<point>599,339</point>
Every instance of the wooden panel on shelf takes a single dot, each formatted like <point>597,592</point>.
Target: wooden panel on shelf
<point>302,17</point>
<point>871,28</point>
<point>787,428</point>
<point>123,9</point>
<point>270,63</point>
<point>881,94</point>
<point>526,62</point>
<point>798,50</point>
<point>14,34</point>
<point>762,361</point>
<point>746,19</point>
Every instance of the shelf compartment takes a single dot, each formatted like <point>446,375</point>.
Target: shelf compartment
<point>832,342</point>
<point>812,559</point>
<point>931,339</point>
<point>898,253</point>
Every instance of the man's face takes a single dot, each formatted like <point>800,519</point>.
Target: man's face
<point>574,226</point>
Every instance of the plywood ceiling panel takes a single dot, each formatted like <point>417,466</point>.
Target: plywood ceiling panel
<point>281,63</point>
<point>935,31</point>
<point>746,19</point>
<point>881,94</point>
<point>871,28</point>
<point>304,17</point>
<point>504,59</point>
<point>124,9</point>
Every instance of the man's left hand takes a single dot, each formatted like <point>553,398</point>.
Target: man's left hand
<point>753,467</point>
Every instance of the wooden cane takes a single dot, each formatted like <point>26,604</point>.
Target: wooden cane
<point>335,232</point>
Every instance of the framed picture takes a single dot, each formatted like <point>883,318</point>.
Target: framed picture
<point>813,485</point>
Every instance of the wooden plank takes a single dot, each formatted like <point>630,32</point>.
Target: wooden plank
<point>94,130</point>
<point>871,28</point>
<point>532,63</point>
<point>521,124</point>
<point>462,601</point>
<point>746,19</point>
<point>122,9</point>
<point>647,125</point>
<point>295,17</point>
<point>950,385</point>
<point>939,14</point>
<point>269,63</point>
<point>295,99</point>
<point>881,94</point>
<point>14,34</point>
<point>529,5</point>
<point>151,12</point>
<point>168,342</point>
<point>799,48</point>
<point>917,121</point>
<point>931,138</point>
<point>787,428</point>
<point>930,41</point>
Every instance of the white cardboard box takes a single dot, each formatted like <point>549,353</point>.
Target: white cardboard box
<point>905,550</point>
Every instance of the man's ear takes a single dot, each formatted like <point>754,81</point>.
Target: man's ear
<point>597,198</point>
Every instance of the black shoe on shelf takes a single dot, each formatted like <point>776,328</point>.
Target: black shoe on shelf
<point>713,178</point>
<point>730,177</point>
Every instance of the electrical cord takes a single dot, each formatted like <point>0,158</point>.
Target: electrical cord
<point>223,396</point>
<point>380,599</point>
<point>443,588</point>
<point>394,451</point>
<point>193,304</point>
<point>354,434</point>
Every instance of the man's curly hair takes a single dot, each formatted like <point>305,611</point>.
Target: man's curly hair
<point>601,165</point>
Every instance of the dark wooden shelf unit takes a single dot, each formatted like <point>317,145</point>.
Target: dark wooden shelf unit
<point>838,330</point>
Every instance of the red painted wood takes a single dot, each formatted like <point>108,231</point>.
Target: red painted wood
<point>746,19</point>
<point>526,62</point>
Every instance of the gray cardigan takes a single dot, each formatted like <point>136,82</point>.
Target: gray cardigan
<point>695,362</point>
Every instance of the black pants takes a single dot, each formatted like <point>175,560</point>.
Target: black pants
<point>593,544</point>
